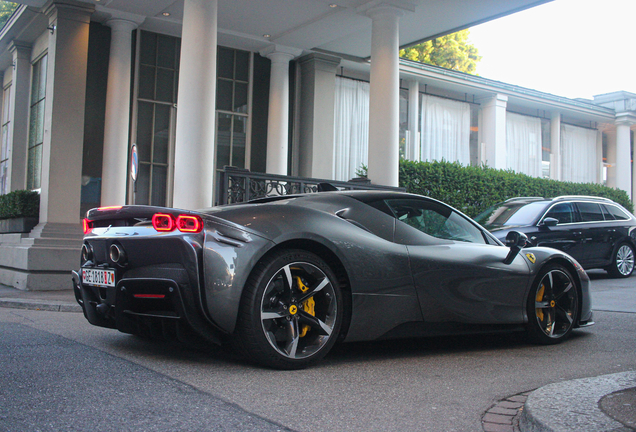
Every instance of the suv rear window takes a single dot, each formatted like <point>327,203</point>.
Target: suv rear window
<point>616,212</point>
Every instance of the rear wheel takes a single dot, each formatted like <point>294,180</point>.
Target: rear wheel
<point>291,311</point>
<point>553,305</point>
<point>623,261</point>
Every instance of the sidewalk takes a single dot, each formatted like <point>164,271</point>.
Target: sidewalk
<point>60,301</point>
<point>599,404</point>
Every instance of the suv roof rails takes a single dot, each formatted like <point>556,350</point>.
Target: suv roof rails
<point>585,197</point>
<point>524,199</point>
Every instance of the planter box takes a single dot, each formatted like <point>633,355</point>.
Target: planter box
<point>18,225</point>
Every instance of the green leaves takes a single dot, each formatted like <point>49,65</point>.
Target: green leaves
<point>473,189</point>
<point>451,52</point>
<point>21,203</point>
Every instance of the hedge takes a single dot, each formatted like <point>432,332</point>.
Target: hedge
<point>20,203</point>
<point>472,189</point>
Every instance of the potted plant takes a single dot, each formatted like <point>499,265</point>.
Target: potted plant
<point>19,211</point>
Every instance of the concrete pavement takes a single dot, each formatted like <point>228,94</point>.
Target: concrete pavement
<point>595,404</point>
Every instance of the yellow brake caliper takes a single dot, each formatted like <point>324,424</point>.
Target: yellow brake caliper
<point>540,298</point>
<point>309,305</point>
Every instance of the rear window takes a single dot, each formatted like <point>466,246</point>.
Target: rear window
<point>511,214</point>
<point>617,213</point>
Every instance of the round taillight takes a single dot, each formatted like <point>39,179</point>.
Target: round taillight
<point>189,223</point>
<point>163,222</point>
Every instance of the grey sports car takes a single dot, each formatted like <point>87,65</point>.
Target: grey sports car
<point>282,279</point>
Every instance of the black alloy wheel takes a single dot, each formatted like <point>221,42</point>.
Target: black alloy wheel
<point>291,311</point>
<point>553,305</point>
<point>622,262</point>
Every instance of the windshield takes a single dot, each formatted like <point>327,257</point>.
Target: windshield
<point>511,214</point>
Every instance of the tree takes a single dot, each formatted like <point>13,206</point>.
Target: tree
<point>6,10</point>
<point>451,52</point>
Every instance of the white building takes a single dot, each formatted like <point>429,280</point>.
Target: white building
<point>292,87</point>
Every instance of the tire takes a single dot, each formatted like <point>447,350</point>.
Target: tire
<point>553,306</point>
<point>291,311</point>
<point>622,262</point>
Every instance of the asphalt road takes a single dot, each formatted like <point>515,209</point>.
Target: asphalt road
<point>58,372</point>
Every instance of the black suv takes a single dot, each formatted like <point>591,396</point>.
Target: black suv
<point>597,232</point>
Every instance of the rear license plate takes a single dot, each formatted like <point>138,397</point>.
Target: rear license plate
<point>98,277</point>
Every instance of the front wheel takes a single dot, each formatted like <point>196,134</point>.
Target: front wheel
<point>553,306</point>
<point>622,262</point>
<point>291,311</point>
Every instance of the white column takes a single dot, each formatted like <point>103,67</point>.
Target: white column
<point>65,103</point>
<point>611,158</point>
<point>116,122</point>
<point>413,146</point>
<point>19,106</point>
<point>317,115</point>
<point>384,96</point>
<point>493,131</point>
<point>555,145</point>
<point>195,147</point>
<point>623,152</point>
<point>599,157</point>
<point>633,197</point>
<point>278,117</point>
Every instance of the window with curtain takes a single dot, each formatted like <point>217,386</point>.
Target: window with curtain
<point>578,154</point>
<point>351,127</point>
<point>523,144</point>
<point>232,106</point>
<point>4,142</point>
<point>158,63</point>
<point>445,130</point>
<point>36,123</point>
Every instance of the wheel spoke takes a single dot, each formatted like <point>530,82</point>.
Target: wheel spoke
<point>272,315</point>
<point>315,323</point>
<point>567,288</point>
<point>293,337</point>
<point>563,314</point>
<point>313,291</point>
<point>541,305</point>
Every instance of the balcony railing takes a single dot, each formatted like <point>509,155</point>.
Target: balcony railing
<point>238,185</point>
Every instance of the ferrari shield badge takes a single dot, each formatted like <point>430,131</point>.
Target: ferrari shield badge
<point>531,257</point>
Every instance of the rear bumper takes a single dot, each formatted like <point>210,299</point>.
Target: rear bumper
<point>151,307</point>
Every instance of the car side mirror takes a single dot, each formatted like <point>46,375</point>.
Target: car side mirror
<point>550,222</point>
<point>515,240</point>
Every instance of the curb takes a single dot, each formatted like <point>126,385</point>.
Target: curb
<point>574,405</point>
<point>44,305</point>
<point>503,416</point>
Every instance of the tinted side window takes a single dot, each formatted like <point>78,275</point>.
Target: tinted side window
<point>616,212</point>
<point>590,212</point>
<point>435,220</point>
<point>563,212</point>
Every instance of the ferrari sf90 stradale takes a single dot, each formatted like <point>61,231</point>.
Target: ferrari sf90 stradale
<point>284,278</point>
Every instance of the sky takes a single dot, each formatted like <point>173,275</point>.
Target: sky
<point>571,48</point>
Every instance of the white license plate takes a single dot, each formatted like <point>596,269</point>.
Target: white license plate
<point>98,277</point>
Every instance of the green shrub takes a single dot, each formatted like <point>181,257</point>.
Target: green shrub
<point>473,189</point>
<point>21,203</point>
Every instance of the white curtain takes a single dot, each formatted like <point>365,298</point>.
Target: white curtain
<point>445,130</point>
<point>351,128</point>
<point>578,153</point>
<point>523,144</point>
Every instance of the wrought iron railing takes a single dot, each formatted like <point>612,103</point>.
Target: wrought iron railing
<point>239,185</point>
